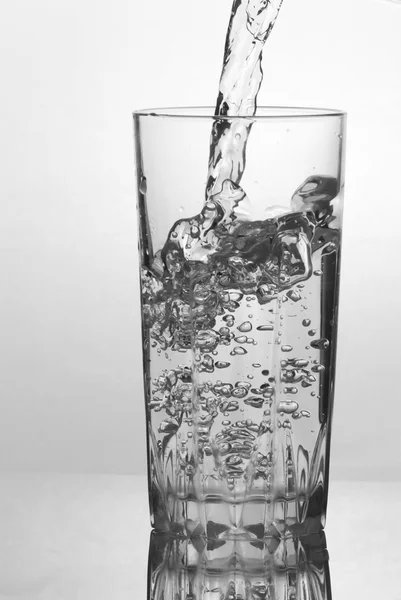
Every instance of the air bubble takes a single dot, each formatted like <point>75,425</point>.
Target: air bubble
<point>265,328</point>
<point>306,322</point>
<point>239,392</point>
<point>143,186</point>
<point>294,295</point>
<point>256,365</point>
<point>312,332</point>
<point>286,348</point>
<point>254,401</point>
<point>241,339</point>
<point>265,372</point>
<point>245,327</point>
<point>287,408</point>
<point>318,272</point>
<point>320,344</point>
<point>221,364</point>
<point>238,350</point>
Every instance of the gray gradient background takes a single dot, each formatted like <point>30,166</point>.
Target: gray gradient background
<point>70,350</point>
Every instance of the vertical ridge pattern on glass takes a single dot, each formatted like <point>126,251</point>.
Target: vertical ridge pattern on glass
<point>187,569</point>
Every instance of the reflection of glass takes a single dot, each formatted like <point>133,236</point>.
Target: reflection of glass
<point>239,313</point>
<point>183,569</point>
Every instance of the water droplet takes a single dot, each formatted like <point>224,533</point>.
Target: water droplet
<point>286,348</point>
<point>237,136</point>
<point>318,272</point>
<point>291,390</point>
<point>225,423</point>
<point>238,350</point>
<point>221,364</point>
<point>189,434</point>
<point>306,322</point>
<point>250,376</point>
<point>256,365</point>
<point>318,368</point>
<point>250,316</point>
<point>174,234</point>
<point>181,209</point>
<point>305,413</point>
<point>265,328</point>
<point>312,332</point>
<point>245,327</point>
<point>241,339</point>
<point>320,344</point>
<point>143,186</point>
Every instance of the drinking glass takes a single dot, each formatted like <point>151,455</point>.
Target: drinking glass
<point>239,305</point>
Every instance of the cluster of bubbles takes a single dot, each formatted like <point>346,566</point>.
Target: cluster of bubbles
<point>210,265</point>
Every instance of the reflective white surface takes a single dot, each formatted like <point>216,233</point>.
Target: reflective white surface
<point>86,537</point>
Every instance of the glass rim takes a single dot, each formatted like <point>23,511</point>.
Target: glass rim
<point>264,113</point>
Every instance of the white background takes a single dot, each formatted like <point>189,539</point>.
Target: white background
<point>71,73</point>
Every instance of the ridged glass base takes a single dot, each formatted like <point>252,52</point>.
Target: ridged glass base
<point>235,569</point>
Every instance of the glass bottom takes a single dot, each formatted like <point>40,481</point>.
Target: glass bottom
<point>250,519</point>
<point>210,569</point>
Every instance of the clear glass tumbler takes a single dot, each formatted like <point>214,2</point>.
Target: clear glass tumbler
<point>239,295</point>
